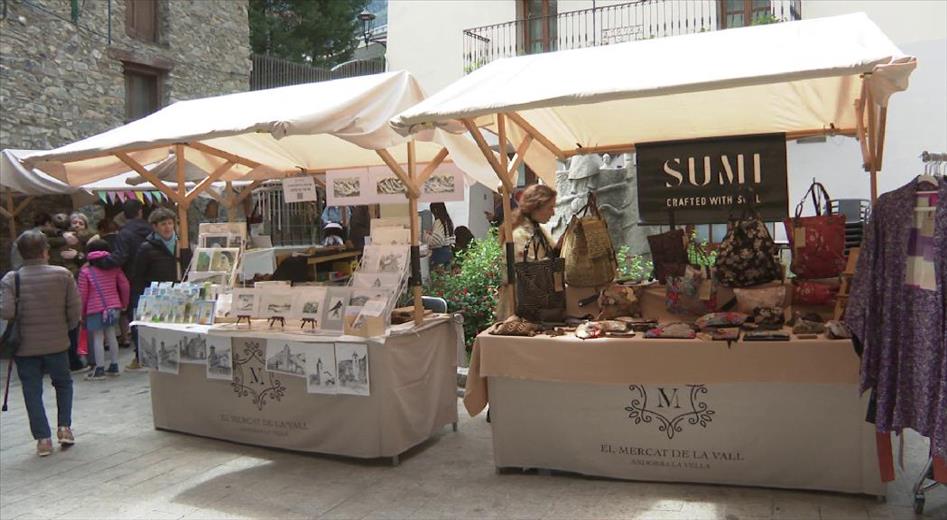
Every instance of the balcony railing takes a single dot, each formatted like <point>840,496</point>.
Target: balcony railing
<point>271,72</point>
<point>641,20</point>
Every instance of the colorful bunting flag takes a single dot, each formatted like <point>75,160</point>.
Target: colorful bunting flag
<point>103,197</point>
<point>140,197</point>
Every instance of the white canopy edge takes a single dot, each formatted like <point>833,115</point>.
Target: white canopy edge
<point>785,77</point>
<point>276,132</point>
<point>15,176</point>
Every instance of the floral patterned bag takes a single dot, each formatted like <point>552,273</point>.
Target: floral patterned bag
<point>683,296</point>
<point>817,243</point>
<point>747,255</point>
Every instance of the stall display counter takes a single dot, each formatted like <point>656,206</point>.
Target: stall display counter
<point>412,395</point>
<point>774,414</point>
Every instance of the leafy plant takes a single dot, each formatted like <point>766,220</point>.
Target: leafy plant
<point>765,19</point>
<point>470,286</point>
<point>633,267</point>
<point>699,253</point>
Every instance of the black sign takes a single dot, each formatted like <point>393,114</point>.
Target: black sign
<point>699,180</point>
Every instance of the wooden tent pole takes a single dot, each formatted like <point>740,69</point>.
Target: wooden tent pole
<point>415,234</point>
<point>508,295</point>
<point>882,125</point>
<point>872,134</point>
<point>183,201</point>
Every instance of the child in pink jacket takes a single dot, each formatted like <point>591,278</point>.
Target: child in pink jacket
<point>104,293</point>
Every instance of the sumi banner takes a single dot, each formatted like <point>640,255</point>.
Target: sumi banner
<point>698,180</point>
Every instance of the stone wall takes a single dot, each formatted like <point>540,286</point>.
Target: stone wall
<point>62,81</point>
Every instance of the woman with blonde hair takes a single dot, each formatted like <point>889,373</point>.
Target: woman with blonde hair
<point>537,205</point>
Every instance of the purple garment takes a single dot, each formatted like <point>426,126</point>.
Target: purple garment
<point>902,328</point>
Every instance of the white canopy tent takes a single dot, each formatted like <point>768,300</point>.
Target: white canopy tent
<point>825,76</point>
<point>274,133</point>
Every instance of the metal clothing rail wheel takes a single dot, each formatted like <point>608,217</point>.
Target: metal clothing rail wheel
<point>920,488</point>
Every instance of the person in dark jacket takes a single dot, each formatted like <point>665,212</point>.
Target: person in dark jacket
<point>130,237</point>
<point>158,259</point>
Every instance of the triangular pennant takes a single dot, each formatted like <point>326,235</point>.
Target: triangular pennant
<point>140,197</point>
<point>112,197</point>
<point>130,195</point>
<point>147,197</point>
<point>103,197</point>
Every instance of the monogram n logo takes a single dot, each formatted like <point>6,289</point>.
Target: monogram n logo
<point>697,412</point>
<point>250,378</point>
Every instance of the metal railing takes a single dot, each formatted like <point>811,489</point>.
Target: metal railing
<point>640,20</point>
<point>271,72</point>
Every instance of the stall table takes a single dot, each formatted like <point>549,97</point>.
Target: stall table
<point>774,414</point>
<point>412,374</point>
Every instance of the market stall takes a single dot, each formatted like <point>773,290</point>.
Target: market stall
<point>409,393</point>
<point>785,81</point>
<point>295,133</point>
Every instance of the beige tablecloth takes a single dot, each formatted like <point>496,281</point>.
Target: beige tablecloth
<point>413,395</point>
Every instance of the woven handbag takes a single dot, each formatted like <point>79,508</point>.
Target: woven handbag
<point>540,283</point>
<point>747,255</point>
<point>817,243</point>
<point>587,248</point>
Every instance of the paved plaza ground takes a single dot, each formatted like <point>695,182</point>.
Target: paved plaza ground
<point>121,467</point>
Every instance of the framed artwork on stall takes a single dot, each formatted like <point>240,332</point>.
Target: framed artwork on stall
<point>385,259</point>
<point>274,304</point>
<point>337,299</point>
<point>445,185</point>
<point>390,281</point>
<point>286,357</point>
<point>347,188</point>
<point>310,304</point>
<point>219,358</point>
<point>244,302</point>
<point>352,368</point>
<point>216,240</point>
<point>321,376</point>
<point>202,259</point>
<point>224,259</point>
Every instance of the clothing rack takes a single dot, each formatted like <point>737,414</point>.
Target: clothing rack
<point>922,486</point>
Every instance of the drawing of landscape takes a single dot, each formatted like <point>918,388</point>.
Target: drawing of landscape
<point>286,357</point>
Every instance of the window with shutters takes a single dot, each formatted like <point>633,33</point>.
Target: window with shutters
<point>141,20</point>
<point>142,91</point>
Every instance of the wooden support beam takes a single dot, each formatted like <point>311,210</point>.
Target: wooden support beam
<point>222,154</point>
<point>212,178</point>
<point>487,152</point>
<point>861,133</point>
<point>415,231</point>
<point>531,130</point>
<point>872,133</point>
<point>429,169</point>
<point>247,190</point>
<point>399,172</point>
<point>183,200</point>
<point>882,126</point>
<point>518,158</point>
<point>22,205</point>
<point>147,175</point>
<point>31,164</point>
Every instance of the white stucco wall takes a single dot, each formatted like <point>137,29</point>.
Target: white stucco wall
<point>917,118</point>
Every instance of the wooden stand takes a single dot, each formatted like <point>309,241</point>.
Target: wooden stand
<point>842,298</point>
<point>242,317</point>
<point>277,319</point>
<point>308,321</point>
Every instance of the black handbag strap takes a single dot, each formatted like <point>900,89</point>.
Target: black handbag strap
<point>538,238</point>
<point>819,199</point>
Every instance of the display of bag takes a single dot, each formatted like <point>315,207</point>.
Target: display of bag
<point>747,255</point>
<point>587,248</point>
<point>818,242</point>
<point>668,254</point>
<point>676,330</point>
<point>769,318</point>
<point>11,339</point>
<point>716,320</point>
<point>750,298</point>
<point>515,326</point>
<point>683,294</point>
<point>813,293</point>
<point>619,300</point>
<point>540,283</point>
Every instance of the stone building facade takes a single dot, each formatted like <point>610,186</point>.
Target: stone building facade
<point>70,69</point>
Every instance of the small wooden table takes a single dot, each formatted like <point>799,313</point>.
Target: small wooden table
<point>331,256</point>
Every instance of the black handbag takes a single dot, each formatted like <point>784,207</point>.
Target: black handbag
<point>747,255</point>
<point>668,254</point>
<point>540,284</point>
<point>11,339</point>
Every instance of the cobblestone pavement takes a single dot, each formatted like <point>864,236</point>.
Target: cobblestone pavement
<point>121,467</point>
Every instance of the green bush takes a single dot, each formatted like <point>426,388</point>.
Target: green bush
<point>633,268</point>
<point>470,285</point>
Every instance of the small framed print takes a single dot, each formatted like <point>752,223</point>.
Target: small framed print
<point>216,240</point>
<point>244,302</point>
<point>273,304</point>
<point>337,299</point>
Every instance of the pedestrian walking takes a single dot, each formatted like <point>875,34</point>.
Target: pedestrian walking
<point>48,308</point>
<point>104,292</point>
